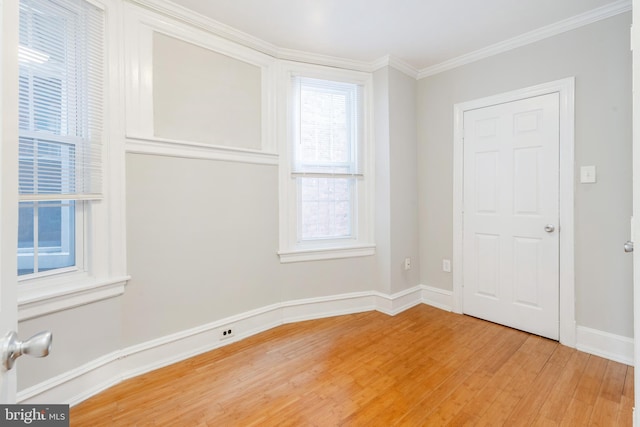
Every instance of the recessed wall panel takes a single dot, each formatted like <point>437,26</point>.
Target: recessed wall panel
<point>203,96</point>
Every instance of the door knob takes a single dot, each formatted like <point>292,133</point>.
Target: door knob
<point>38,345</point>
<point>628,246</point>
<point>549,228</point>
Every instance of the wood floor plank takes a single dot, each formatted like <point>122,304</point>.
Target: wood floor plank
<point>605,413</point>
<point>538,391</point>
<point>625,415</point>
<point>589,385</point>
<point>578,413</point>
<point>563,390</point>
<point>613,383</point>
<point>421,367</point>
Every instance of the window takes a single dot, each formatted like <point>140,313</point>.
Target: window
<point>326,187</point>
<point>326,145</point>
<point>60,58</point>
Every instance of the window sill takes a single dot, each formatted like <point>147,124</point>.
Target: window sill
<point>317,254</point>
<point>39,300</point>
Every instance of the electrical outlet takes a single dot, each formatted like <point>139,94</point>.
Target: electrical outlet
<point>446,265</point>
<point>407,263</point>
<point>226,332</point>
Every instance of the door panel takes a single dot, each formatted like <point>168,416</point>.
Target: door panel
<point>511,192</point>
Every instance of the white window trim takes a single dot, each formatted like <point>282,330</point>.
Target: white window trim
<point>363,245</point>
<point>105,250</point>
<point>140,25</point>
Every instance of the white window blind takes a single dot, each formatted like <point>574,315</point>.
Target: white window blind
<point>60,100</point>
<point>328,127</point>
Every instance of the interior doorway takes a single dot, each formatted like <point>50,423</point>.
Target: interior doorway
<point>563,93</point>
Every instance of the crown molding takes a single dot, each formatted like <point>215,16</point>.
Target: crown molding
<point>172,10</point>
<point>598,14</point>
<point>395,62</point>
<point>202,22</point>
<point>320,59</point>
<point>188,16</point>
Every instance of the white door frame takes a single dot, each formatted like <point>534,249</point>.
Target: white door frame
<point>635,220</point>
<point>8,183</point>
<point>565,88</point>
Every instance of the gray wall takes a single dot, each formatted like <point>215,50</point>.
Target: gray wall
<point>80,335</point>
<point>404,180</point>
<point>598,56</point>
<point>396,179</point>
<point>202,245</point>
<point>383,173</point>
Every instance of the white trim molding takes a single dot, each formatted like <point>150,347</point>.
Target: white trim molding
<point>326,253</point>
<point>597,14</point>
<point>46,299</point>
<point>565,88</point>
<point>395,62</point>
<point>196,20</point>
<point>400,301</point>
<point>606,345</point>
<point>195,150</point>
<point>437,297</point>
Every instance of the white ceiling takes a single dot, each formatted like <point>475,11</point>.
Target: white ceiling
<point>422,33</point>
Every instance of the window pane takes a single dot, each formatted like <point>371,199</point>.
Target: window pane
<point>52,246</point>
<point>327,115</point>
<point>323,122</point>
<point>326,208</point>
<point>25,238</point>
<point>54,171</point>
<point>56,235</point>
<point>25,225</point>
<point>60,59</point>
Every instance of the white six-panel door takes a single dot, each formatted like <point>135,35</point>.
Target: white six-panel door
<point>511,214</point>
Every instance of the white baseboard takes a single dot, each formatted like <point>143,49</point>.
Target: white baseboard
<point>437,297</point>
<point>398,302</point>
<point>82,382</point>
<point>79,384</point>
<point>603,344</point>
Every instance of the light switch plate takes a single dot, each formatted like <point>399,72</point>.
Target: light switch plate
<point>587,174</point>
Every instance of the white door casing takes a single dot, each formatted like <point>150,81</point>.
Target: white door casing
<point>8,183</point>
<point>510,237</point>
<point>635,220</point>
<point>565,91</point>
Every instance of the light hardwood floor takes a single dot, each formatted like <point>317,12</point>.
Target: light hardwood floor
<point>423,367</point>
